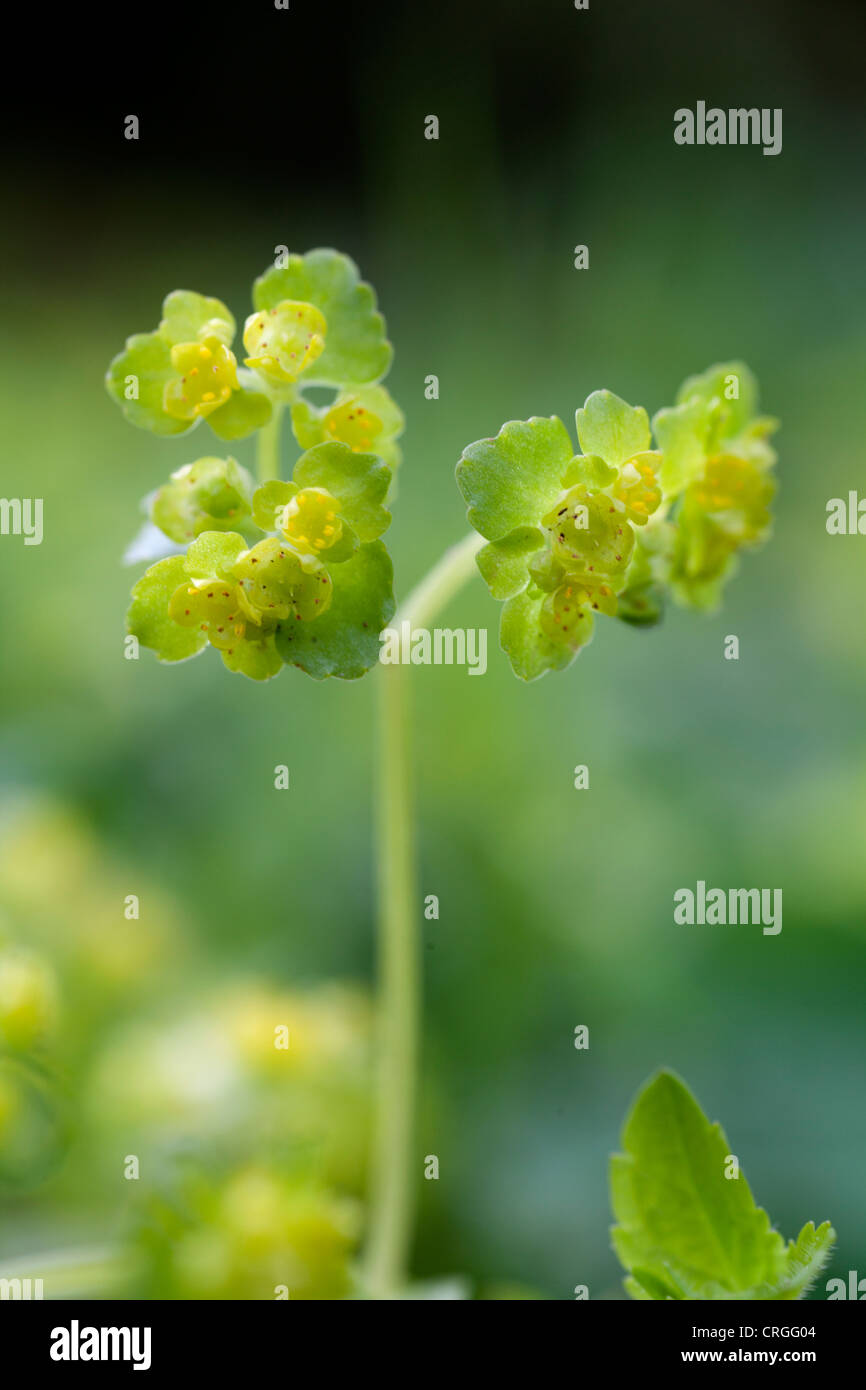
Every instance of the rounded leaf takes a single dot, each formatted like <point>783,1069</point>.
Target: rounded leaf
<point>213,554</point>
<point>681,431</point>
<point>504,564</point>
<point>613,429</point>
<point>512,480</point>
<point>245,411</point>
<point>269,500</point>
<point>187,315</point>
<point>531,651</point>
<point>137,379</point>
<point>359,482</point>
<point>344,642</point>
<point>149,620</point>
<point>258,660</point>
<point>729,390</point>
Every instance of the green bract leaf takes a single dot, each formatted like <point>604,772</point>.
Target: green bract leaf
<point>148,617</point>
<point>356,351</point>
<point>681,432</point>
<point>187,316</point>
<point>245,411</point>
<point>729,390</point>
<point>528,647</point>
<point>184,372</point>
<point>307,424</point>
<point>511,481</point>
<point>686,1229</point>
<point>718,407</point>
<point>213,555</point>
<point>269,501</point>
<point>752,443</point>
<point>504,564</point>
<point>258,660</point>
<point>137,379</point>
<point>358,482</point>
<point>211,494</point>
<point>545,571</point>
<point>344,641</point>
<point>609,427</point>
<point>590,470</point>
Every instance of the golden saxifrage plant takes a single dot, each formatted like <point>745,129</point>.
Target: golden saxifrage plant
<point>289,568</point>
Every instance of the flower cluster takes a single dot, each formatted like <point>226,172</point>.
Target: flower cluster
<point>315,590</point>
<point>252,1233</point>
<point>315,594</point>
<point>613,529</point>
<point>718,465</point>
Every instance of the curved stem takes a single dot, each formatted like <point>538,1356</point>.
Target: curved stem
<point>394,1160</point>
<point>268,446</point>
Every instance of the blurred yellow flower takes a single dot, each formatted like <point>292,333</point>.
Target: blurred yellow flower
<point>28,998</point>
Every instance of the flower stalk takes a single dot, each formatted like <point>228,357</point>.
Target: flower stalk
<point>395,1163</point>
<point>268,447</point>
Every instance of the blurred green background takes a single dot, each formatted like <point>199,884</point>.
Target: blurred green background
<point>556,905</point>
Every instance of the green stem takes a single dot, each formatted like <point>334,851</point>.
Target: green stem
<point>268,447</point>
<point>395,1163</point>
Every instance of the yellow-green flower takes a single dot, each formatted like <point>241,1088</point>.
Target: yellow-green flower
<point>211,494</point>
<point>184,371</point>
<point>238,609</point>
<point>230,596</point>
<point>717,465</point>
<point>207,373</point>
<point>335,499</point>
<point>309,521</point>
<point>257,1234</point>
<point>284,341</point>
<point>724,511</point>
<point>368,420</point>
<point>28,998</point>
